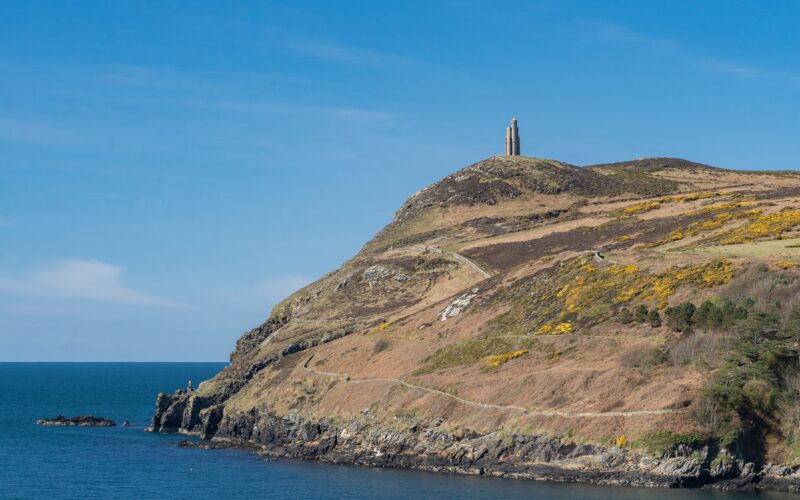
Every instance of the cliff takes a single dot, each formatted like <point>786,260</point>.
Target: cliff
<point>628,323</point>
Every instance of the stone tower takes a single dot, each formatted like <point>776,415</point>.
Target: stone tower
<point>512,139</point>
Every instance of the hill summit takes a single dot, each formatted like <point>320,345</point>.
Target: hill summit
<point>627,323</point>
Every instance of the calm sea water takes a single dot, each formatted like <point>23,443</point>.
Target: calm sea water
<point>53,462</point>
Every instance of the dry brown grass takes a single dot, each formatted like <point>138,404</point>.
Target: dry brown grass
<point>607,367</point>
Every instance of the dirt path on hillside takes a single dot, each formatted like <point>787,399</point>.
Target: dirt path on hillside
<point>525,411</point>
<point>471,264</point>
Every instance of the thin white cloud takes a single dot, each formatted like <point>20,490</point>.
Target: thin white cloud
<point>38,132</point>
<point>620,34</point>
<point>356,114</point>
<point>280,287</point>
<point>144,76</point>
<point>729,68</point>
<point>260,294</point>
<point>81,279</point>
<point>348,54</point>
<point>147,76</point>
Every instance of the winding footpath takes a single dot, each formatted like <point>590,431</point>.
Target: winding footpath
<point>471,264</point>
<point>525,411</point>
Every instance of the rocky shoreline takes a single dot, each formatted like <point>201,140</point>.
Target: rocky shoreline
<point>78,421</point>
<point>430,446</point>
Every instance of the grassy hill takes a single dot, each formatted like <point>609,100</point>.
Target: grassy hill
<point>632,323</point>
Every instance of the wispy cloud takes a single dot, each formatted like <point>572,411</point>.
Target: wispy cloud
<point>145,77</point>
<point>81,279</point>
<point>349,54</point>
<point>152,76</point>
<point>198,85</point>
<point>262,293</point>
<point>620,34</point>
<point>729,68</point>
<point>278,288</point>
<point>352,113</point>
<point>38,132</point>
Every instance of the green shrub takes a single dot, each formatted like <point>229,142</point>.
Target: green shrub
<point>710,315</point>
<point>760,394</point>
<point>664,441</point>
<point>791,328</point>
<point>640,315</point>
<point>468,352</point>
<point>654,318</point>
<point>680,317</point>
<point>707,313</point>
<point>625,316</point>
<point>763,355</point>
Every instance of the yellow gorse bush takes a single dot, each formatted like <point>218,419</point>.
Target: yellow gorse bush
<point>787,265</point>
<point>697,196</point>
<point>763,226</point>
<point>557,329</point>
<point>641,208</point>
<point>579,293</point>
<point>562,328</point>
<point>383,326</point>
<point>706,226</point>
<point>623,283</point>
<point>497,360</point>
<point>652,205</point>
<point>621,441</point>
<point>742,203</point>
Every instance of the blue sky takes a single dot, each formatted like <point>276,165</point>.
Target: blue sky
<point>170,170</point>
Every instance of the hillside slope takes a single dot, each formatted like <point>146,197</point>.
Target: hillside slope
<point>622,323</point>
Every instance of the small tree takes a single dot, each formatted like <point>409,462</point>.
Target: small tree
<point>711,315</point>
<point>641,313</point>
<point>654,318</point>
<point>625,316</point>
<point>707,315</point>
<point>680,317</point>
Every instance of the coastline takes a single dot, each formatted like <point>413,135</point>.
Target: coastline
<point>431,447</point>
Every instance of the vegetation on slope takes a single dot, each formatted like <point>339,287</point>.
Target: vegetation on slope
<point>652,321</point>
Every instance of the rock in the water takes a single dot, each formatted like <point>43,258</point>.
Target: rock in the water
<point>126,423</point>
<point>205,445</point>
<point>79,421</point>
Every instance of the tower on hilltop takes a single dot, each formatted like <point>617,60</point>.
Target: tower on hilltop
<point>512,139</point>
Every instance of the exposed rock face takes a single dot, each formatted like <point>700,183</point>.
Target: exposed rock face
<point>79,421</point>
<point>426,446</point>
<point>457,306</point>
<point>487,317</point>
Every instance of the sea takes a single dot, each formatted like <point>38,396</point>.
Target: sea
<point>127,462</point>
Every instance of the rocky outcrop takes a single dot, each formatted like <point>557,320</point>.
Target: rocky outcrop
<point>79,421</point>
<point>428,446</point>
<point>179,412</point>
<point>458,305</point>
<point>251,339</point>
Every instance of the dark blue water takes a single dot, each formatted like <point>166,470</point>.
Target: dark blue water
<point>56,462</point>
